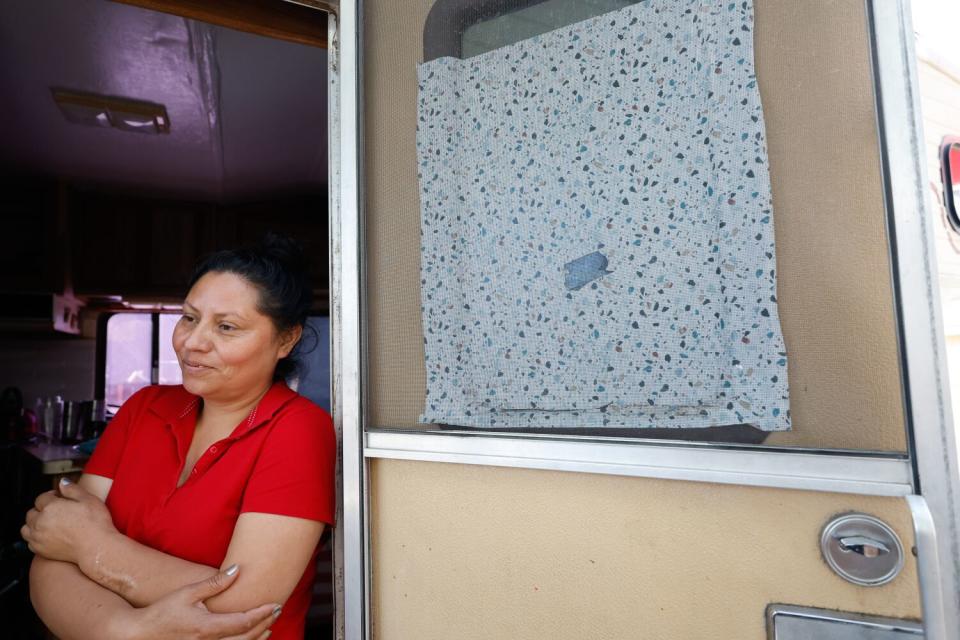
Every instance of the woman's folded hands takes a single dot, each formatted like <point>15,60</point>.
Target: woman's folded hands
<point>68,525</point>
<point>181,615</point>
<point>74,526</point>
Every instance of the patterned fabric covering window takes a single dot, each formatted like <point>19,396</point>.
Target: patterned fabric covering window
<point>597,231</point>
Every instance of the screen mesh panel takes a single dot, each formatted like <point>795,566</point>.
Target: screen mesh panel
<point>834,289</point>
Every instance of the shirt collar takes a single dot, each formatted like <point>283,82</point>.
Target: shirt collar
<point>278,395</point>
<point>173,403</point>
<point>176,403</point>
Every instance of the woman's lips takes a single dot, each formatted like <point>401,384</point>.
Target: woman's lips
<point>195,367</point>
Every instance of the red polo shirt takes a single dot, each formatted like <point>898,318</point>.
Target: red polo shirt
<point>279,460</point>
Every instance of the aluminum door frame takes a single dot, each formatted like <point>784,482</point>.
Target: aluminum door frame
<point>346,142</point>
<point>930,424</point>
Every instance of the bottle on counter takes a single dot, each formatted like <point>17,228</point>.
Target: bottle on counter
<point>39,409</point>
<point>53,418</point>
<point>98,418</point>
<point>73,419</point>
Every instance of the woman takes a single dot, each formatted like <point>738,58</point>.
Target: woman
<point>231,468</point>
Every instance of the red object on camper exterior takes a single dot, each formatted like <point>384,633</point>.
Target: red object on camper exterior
<point>954,163</point>
<point>280,460</point>
<point>950,175</point>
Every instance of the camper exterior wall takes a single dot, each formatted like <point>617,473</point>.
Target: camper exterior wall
<point>939,82</point>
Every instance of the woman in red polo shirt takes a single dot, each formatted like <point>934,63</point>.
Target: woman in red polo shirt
<point>231,469</point>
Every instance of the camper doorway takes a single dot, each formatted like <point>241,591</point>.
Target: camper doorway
<point>139,137</point>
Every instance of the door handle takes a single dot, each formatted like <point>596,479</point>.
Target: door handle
<point>867,547</point>
<point>862,549</point>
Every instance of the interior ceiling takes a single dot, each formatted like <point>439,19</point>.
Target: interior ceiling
<point>247,113</point>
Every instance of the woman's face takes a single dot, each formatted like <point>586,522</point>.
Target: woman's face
<point>227,349</point>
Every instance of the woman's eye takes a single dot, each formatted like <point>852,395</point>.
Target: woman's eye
<point>227,327</point>
<point>186,318</point>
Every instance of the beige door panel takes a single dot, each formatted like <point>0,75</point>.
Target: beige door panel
<point>462,551</point>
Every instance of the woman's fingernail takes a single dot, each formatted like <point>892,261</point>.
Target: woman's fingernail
<point>232,569</point>
<point>267,634</point>
<point>277,610</point>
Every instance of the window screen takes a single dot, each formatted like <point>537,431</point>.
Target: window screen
<point>831,264</point>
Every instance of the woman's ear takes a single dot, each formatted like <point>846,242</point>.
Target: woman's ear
<point>289,339</point>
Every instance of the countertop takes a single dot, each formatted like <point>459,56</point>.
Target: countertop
<point>56,458</point>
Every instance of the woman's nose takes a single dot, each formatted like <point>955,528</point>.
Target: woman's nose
<point>197,339</point>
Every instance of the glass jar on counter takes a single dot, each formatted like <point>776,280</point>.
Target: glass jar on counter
<point>52,426</point>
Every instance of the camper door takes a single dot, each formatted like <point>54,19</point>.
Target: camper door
<point>634,335</point>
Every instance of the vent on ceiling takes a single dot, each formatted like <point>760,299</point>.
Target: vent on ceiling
<point>124,114</point>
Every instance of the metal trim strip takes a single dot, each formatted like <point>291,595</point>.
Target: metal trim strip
<point>329,6</point>
<point>859,624</point>
<point>928,569</point>
<point>868,475</point>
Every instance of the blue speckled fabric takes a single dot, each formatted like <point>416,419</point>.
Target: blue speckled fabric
<point>597,237</point>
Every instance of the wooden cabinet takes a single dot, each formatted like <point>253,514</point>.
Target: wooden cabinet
<point>148,248</point>
<point>105,251</point>
<point>176,242</point>
<point>33,238</point>
<point>124,246</point>
<point>55,237</point>
<point>303,219</point>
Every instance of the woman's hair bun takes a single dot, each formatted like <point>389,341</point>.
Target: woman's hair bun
<point>284,249</point>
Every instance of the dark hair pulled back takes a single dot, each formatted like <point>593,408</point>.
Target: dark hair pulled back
<point>277,267</point>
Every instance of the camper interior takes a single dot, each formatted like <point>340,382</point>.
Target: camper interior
<point>136,141</point>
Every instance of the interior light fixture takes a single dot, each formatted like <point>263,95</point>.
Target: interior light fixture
<point>124,114</point>
<point>153,306</point>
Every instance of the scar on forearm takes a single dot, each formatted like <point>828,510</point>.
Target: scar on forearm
<point>119,583</point>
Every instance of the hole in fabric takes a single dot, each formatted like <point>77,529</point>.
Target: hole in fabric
<point>585,270</point>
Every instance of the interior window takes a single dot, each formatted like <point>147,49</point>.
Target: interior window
<point>169,366</point>
<point>128,356</point>
<point>138,351</point>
